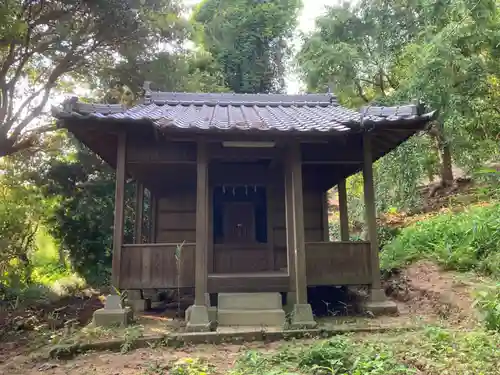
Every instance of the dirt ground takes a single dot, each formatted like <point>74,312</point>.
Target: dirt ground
<point>423,292</point>
<point>427,291</point>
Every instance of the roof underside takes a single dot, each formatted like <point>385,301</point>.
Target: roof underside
<point>259,116</point>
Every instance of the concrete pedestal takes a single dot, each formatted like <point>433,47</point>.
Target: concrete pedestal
<point>197,319</point>
<point>378,304</point>
<point>302,317</point>
<point>134,294</point>
<point>113,313</point>
<point>250,310</point>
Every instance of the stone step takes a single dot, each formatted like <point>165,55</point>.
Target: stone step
<point>259,318</point>
<point>249,301</point>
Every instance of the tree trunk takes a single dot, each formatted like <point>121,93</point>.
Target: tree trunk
<point>444,152</point>
<point>62,258</point>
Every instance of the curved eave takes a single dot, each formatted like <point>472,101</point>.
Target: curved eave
<point>99,135</point>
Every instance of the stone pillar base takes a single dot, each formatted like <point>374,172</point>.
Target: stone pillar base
<point>197,319</point>
<point>134,294</point>
<point>378,304</point>
<point>151,294</point>
<point>139,305</point>
<point>109,318</point>
<point>302,317</point>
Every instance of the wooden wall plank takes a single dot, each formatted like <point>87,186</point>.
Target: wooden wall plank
<point>178,201</point>
<point>176,236</point>
<point>176,220</point>
<point>155,266</point>
<point>338,263</point>
<point>242,258</point>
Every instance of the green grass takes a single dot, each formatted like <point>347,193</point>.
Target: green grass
<point>434,350</point>
<point>464,241</point>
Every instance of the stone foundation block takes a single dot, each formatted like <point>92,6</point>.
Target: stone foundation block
<point>109,318</point>
<point>134,294</point>
<point>249,301</point>
<point>113,313</point>
<point>212,315</point>
<point>378,304</point>
<point>302,317</point>
<point>197,319</point>
<point>253,317</point>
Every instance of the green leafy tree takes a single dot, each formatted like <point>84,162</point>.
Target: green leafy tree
<point>82,219</point>
<point>43,43</point>
<point>445,54</point>
<point>249,40</point>
<point>184,71</point>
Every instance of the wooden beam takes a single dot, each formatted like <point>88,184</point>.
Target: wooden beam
<point>332,162</point>
<point>370,210</point>
<point>161,162</point>
<point>201,225</point>
<point>119,219</point>
<point>298,221</point>
<point>139,212</point>
<point>217,151</point>
<point>344,215</point>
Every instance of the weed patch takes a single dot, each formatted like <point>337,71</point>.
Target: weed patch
<point>488,302</point>
<point>339,355</point>
<point>465,241</point>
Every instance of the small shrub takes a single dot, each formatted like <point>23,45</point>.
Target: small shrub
<point>132,334</point>
<point>332,355</point>
<point>190,366</point>
<point>488,302</point>
<point>386,234</point>
<point>68,285</point>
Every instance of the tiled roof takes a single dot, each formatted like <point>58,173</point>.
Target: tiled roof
<point>303,113</point>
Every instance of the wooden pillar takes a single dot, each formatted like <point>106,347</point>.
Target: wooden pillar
<point>139,210</point>
<point>325,213</point>
<point>119,220</point>
<point>290,238</point>
<point>153,205</point>
<point>201,225</point>
<point>270,227</point>
<point>298,224</point>
<point>210,249</point>
<point>344,216</point>
<point>370,210</point>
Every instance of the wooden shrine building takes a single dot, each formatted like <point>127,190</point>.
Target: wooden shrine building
<point>241,181</point>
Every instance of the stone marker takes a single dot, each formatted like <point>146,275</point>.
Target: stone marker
<point>113,302</point>
<point>113,313</point>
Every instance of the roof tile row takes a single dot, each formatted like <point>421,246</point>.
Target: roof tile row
<point>245,112</point>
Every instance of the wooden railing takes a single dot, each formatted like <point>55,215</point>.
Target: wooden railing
<point>338,263</point>
<point>145,266</point>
